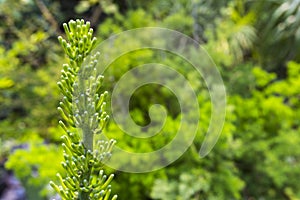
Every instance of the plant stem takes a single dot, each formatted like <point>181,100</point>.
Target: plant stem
<point>85,195</point>
<point>88,138</point>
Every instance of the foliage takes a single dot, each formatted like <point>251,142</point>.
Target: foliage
<point>269,123</point>
<point>278,30</point>
<point>23,99</point>
<point>253,44</point>
<point>35,165</point>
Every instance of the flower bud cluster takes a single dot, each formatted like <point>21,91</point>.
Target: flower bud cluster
<point>80,40</point>
<point>89,111</point>
<point>83,114</point>
<point>81,183</point>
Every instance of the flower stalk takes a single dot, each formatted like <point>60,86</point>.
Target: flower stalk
<point>83,114</point>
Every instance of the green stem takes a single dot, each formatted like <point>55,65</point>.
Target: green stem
<point>85,195</point>
<point>88,138</point>
<point>88,141</point>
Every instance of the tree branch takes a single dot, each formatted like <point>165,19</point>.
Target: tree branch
<point>47,15</point>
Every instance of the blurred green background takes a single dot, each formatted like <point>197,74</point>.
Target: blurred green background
<point>256,46</point>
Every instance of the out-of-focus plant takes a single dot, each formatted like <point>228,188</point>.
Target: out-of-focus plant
<point>83,112</point>
<point>279,40</point>
<point>23,99</point>
<point>233,36</point>
<point>30,164</point>
<point>267,125</point>
<point>106,6</point>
